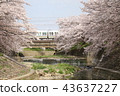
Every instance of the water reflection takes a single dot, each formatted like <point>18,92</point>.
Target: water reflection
<point>74,62</point>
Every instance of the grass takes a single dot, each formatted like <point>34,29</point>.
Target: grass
<point>53,56</point>
<point>61,72</point>
<point>4,66</point>
<point>21,73</point>
<point>66,68</point>
<point>3,59</point>
<point>46,71</point>
<point>33,49</point>
<point>51,70</point>
<point>1,54</point>
<point>1,67</point>
<point>61,68</point>
<point>36,66</point>
<point>49,50</point>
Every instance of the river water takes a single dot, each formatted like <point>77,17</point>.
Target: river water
<point>74,62</point>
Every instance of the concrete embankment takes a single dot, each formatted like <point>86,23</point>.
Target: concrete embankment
<point>38,53</point>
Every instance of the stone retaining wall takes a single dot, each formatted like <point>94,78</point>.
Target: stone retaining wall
<point>38,53</point>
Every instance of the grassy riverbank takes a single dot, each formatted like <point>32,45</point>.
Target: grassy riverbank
<point>60,71</point>
<point>9,69</point>
<point>61,68</point>
<point>54,56</point>
<point>1,54</point>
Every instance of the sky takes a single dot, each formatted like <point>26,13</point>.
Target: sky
<point>44,13</point>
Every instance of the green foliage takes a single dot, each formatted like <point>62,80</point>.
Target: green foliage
<point>80,46</point>
<point>61,68</point>
<point>105,42</point>
<point>52,70</point>
<point>61,72</point>
<point>85,45</point>
<point>3,59</point>
<point>38,66</point>
<point>66,68</point>
<point>49,49</point>
<point>54,56</point>
<point>1,54</point>
<point>46,71</point>
<point>1,67</point>
<point>70,70</point>
<point>33,49</point>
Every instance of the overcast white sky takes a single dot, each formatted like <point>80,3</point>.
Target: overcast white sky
<point>44,13</point>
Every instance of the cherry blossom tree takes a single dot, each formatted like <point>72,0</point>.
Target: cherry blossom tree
<point>102,28</point>
<point>13,25</point>
<point>99,26</point>
<point>70,32</point>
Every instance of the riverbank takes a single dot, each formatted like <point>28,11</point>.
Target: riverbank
<point>60,71</point>
<point>10,68</point>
